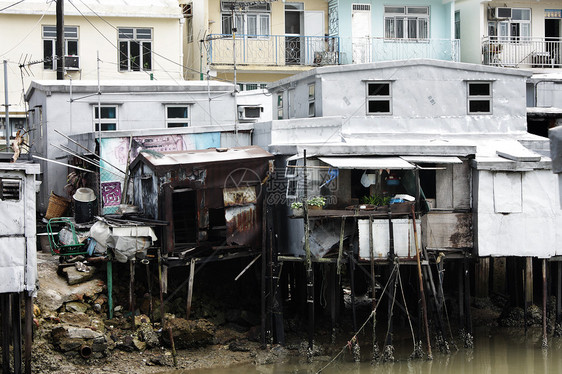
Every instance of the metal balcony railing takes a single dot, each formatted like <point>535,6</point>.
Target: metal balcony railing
<point>373,49</point>
<point>285,50</point>
<point>523,52</point>
<point>278,50</point>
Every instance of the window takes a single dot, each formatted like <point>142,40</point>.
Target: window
<point>49,44</point>
<point>135,49</point>
<point>108,118</point>
<point>251,86</point>
<point>516,28</point>
<point>311,97</point>
<point>479,97</point>
<point>280,105</point>
<point>379,98</point>
<point>458,24</point>
<point>10,189</point>
<point>177,116</point>
<point>410,22</point>
<point>251,19</point>
<point>187,10</point>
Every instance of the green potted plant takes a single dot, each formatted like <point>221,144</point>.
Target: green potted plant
<point>316,202</point>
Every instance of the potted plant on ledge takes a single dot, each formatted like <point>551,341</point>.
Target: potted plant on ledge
<point>314,203</point>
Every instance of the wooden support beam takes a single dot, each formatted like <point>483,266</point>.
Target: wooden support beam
<point>28,331</point>
<point>5,303</point>
<point>544,296</point>
<point>16,331</point>
<point>190,287</point>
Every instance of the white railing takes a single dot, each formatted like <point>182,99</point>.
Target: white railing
<point>522,52</point>
<point>319,50</point>
<point>272,50</point>
<point>361,50</point>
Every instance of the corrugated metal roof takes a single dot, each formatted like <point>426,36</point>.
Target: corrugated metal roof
<point>206,156</point>
<point>367,163</point>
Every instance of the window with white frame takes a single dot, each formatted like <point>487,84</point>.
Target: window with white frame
<point>479,95</point>
<point>406,22</point>
<point>177,116</point>
<point>250,19</point>
<point>379,99</point>
<point>280,105</point>
<point>515,28</point>
<point>49,44</point>
<point>135,49</point>
<point>311,100</point>
<point>108,120</point>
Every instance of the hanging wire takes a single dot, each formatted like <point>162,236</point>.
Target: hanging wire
<point>354,337</point>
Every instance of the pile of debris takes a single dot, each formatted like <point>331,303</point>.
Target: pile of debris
<point>71,312</point>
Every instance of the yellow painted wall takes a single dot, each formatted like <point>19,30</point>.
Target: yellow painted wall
<point>16,44</point>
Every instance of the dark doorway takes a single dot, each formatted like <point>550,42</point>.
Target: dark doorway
<point>184,204</point>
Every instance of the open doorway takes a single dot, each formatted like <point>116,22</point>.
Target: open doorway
<point>184,202</point>
<point>293,32</point>
<point>552,38</point>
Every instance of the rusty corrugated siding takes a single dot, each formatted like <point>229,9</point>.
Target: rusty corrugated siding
<point>242,225</point>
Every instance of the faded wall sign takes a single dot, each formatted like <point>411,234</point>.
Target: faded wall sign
<point>115,151</point>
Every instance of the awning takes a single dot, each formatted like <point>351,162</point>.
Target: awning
<point>432,159</point>
<point>367,163</point>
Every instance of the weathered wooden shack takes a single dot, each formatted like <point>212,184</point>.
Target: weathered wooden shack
<point>210,198</point>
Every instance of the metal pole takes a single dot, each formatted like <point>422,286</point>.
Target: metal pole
<point>7,126</point>
<point>309,268</point>
<point>60,40</point>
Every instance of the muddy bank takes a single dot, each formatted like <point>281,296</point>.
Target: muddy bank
<point>73,334</point>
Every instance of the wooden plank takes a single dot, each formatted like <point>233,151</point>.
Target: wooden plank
<point>450,230</point>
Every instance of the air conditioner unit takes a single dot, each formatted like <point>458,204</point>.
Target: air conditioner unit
<point>249,113</point>
<point>502,13</point>
<point>72,62</point>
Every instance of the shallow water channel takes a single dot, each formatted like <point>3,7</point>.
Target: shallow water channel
<point>497,351</point>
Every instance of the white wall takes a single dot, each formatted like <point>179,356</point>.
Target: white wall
<point>427,97</point>
<point>530,232</point>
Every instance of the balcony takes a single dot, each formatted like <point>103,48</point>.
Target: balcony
<point>272,50</point>
<point>374,49</point>
<point>522,52</point>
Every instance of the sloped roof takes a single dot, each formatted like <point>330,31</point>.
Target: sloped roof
<point>199,157</point>
<point>324,70</point>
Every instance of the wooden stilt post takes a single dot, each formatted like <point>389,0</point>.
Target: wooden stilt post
<point>263,273</point>
<point>149,284</point>
<point>309,267</point>
<point>333,284</point>
<point>190,287</point>
<point>528,282</point>
<point>559,292</point>
<point>544,294</point>
<point>422,292</point>
<point>462,320</point>
<point>16,330</point>
<point>132,290</point>
<point>469,339</point>
<point>28,331</point>
<point>5,300</point>
<point>352,284</point>
<point>110,287</point>
<point>376,353</point>
<point>162,317</point>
